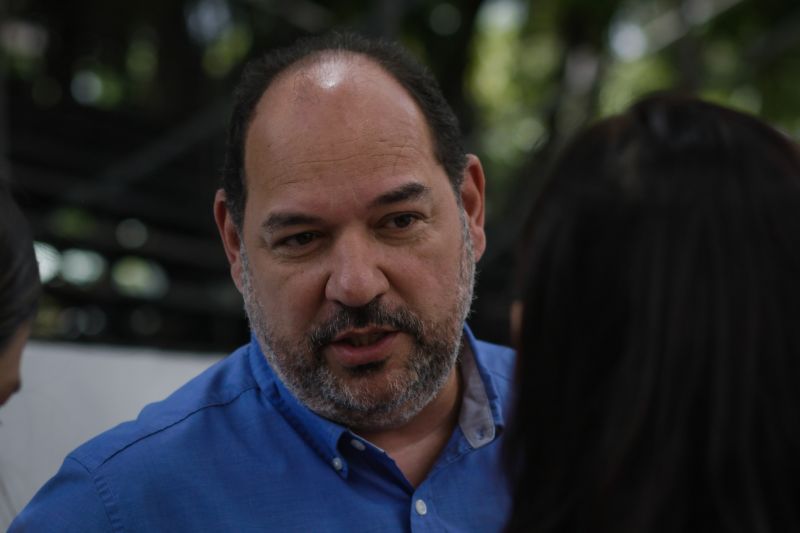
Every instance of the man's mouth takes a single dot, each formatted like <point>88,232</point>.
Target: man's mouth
<point>361,339</point>
<point>362,346</point>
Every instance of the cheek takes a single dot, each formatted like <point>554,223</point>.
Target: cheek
<point>290,297</point>
<point>427,277</point>
<point>287,293</point>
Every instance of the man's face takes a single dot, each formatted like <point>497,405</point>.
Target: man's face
<point>355,260</point>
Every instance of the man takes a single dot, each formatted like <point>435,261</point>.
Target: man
<point>352,221</point>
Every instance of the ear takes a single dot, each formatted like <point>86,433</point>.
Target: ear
<point>473,200</point>
<point>230,237</point>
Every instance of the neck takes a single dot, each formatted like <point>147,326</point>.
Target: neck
<point>416,445</point>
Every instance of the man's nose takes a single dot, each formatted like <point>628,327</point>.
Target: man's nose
<point>356,277</point>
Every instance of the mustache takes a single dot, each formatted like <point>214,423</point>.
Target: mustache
<point>373,314</point>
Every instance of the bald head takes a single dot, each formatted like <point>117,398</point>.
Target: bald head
<point>338,106</point>
<point>342,63</point>
<point>336,85</point>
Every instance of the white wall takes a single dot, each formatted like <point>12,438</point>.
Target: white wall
<point>71,392</point>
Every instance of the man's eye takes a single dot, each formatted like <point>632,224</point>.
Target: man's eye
<point>403,221</point>
<point>300,239</point>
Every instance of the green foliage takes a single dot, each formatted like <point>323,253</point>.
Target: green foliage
<point>228,50</point>
<point>520,93</point>
<point>739,53</point>
<point>626,82</point>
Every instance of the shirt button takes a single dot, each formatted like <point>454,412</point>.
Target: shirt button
<point>358,445</point>
<point>337,464</point>
<point>421,508</point>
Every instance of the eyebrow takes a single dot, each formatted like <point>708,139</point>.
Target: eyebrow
<point>409,191</point>
<point>277,221</point>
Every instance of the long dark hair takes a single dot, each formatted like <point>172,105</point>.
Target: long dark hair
<point>659,351</point>
<point>19,273</point>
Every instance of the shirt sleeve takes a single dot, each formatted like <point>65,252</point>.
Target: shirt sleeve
<point>68,503</point>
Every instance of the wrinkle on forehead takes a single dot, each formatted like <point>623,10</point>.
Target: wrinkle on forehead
<point>302,155</point>
<point>397,159</point>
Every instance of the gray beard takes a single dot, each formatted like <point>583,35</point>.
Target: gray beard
<point>303,369</point>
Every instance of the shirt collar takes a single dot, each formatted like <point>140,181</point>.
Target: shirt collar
<point>320,433</point>
<point>480,418</point>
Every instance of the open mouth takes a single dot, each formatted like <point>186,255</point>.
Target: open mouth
<point>362,346</point>
<point>362,339</point>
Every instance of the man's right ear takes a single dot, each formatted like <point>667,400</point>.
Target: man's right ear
<point>230,237</point>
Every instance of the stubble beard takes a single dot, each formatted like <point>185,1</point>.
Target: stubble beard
<point>303,369</point>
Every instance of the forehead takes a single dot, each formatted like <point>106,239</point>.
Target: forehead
<point>339,121</point>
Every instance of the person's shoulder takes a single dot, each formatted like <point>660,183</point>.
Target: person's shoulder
<point>215,389</point>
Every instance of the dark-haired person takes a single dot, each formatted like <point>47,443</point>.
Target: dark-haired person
<point>659,345</point>
<point>19,291</point>
<point>352,220</point>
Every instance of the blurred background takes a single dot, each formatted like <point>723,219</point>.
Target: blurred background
<point>113,117</point>
<point>112,127</point>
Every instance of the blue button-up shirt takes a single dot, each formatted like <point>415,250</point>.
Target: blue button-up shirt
<point>233,450</point>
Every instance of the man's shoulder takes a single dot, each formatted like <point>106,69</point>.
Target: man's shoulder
<point>208,394</point>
